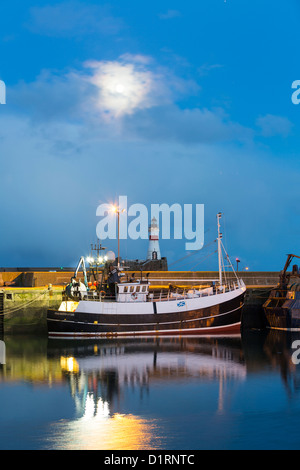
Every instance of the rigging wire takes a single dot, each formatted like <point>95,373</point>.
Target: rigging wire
<point>201,261</point>
<point>228,259</point>
<point>192,254</point>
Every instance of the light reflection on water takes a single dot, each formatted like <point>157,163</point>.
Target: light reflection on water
<point>101,375</point>
<point>125,432</point>
<point>154,393</point>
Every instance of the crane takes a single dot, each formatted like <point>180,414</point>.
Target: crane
<point>284,277</point>
<point>81,262</point>
<point>76,288</point>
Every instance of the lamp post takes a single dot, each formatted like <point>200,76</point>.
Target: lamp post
<point>117,211</point>
<point>237,264</point>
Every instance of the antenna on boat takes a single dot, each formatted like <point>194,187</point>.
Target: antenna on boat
<point>219,215</point>
<point>220,255</point>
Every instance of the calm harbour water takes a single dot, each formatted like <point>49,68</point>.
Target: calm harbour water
<point>238,392</point>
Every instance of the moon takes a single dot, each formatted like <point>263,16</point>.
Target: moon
<point>120,88</point>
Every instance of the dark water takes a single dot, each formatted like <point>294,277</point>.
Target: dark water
<point>170,394</point>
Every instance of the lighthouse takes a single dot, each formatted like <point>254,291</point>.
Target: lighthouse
<point>153,249</point>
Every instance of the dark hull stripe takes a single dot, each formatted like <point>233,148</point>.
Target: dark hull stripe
<point>145,324</point>
<point>233,328</point>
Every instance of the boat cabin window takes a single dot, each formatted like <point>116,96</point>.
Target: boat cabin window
<point>132,292</point>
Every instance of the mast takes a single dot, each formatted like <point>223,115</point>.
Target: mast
<point>219,215</point>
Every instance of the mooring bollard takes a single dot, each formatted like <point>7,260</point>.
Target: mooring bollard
<point>2,352</point>
<point>50,289</point>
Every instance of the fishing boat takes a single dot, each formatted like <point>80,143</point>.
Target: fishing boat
<point>282,309</point>
<point>135,310</point>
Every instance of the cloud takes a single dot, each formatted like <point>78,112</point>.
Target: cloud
<point>124,87</point>
<point>52,96</point>
<point>62,157</point>
<point>134,82</point>
<point>131,97</point>
<point>45,195</point>
<point>72,19</point>
<point>101,90</point>
<point>271,125</point>
<point>190,126</point>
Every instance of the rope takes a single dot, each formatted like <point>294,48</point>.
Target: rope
<point>8,311</point>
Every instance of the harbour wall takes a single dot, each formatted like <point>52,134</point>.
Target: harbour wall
<point>23,308</point>
<point>61,277</point>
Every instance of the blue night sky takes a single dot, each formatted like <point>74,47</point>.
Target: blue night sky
<point>164,102</point>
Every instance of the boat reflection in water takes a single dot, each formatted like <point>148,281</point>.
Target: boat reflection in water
<point>115,382</point>
<point>282,350</point>
<point>152,393</point>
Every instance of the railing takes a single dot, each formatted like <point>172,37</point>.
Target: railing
<point>194,293</point>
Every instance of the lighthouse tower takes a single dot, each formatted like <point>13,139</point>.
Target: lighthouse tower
<point>153,249</point>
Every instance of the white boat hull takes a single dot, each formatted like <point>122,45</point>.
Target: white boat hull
<point>213,314</point>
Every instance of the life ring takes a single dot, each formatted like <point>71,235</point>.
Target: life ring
<point>134,296</point>
<point>102,293</point>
